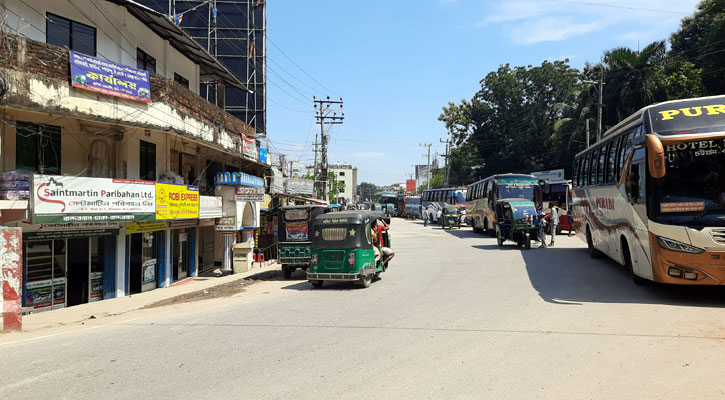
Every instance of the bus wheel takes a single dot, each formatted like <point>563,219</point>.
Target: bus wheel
<point>593,253</point>
<point>638,280</point>
<point>316,284</point>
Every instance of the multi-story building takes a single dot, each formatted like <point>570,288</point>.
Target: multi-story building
<point>345,173</point>
<point>115,168</point>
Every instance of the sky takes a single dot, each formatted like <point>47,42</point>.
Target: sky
<point>397,63</point>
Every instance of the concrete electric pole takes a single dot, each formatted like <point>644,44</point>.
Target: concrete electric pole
<point>428,145</point>
<point>448,159</point>
<point>325,116</point>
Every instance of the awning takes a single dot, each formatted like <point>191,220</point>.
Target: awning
<point>305,199</point>
<point>13,210</point>
<point>210,68</point>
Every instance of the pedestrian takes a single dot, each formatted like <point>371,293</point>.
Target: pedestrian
<point>542,228</point>
<point>425,216</point>
<point>553,221</point>
<point>570,218</point>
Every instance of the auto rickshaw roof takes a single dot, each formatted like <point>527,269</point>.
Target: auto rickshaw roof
<point>349,217</point>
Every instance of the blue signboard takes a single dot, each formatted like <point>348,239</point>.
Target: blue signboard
<point>109,78</point>
<point>263,155</point>
<point>237,179</point>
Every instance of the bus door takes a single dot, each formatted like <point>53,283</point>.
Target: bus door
<point>636,196</point>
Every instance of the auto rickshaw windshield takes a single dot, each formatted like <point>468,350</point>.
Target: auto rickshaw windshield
<point>342,236</point>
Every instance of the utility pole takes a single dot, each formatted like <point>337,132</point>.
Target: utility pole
<point>325,116</point>
<point>600,103</point>
<point>428,145</point>
<point>448,159</point>
<point>587,124</point>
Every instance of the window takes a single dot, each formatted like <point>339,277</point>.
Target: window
<point>147,161</point>
<point>37,147</point>
<point>588,169</point>
<point>611,162</point>
<point>575,168</point>
<point>342,173</point>
<point>64,32</point>
<point>624,150</point>
<point>182,81</point>
<point>145,62</point>
<point>602,160</point>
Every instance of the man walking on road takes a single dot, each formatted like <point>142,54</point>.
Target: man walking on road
<point>542,228</point>
<point>553,221</point>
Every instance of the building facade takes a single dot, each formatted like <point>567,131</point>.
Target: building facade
<point>347,175</point>
<point>121,176</point>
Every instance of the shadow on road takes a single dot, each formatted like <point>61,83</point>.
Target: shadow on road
<point>339,286</point>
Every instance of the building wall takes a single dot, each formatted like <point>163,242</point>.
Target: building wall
<point>118,34</point>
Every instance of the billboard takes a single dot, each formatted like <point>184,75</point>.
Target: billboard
<point>249,147</point>
<point>300,186</point>
<point>410,185</point>
<point>96,75</point>
<point>176,201</point>
<point>59,199</point>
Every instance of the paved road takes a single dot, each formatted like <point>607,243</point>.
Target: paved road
<point>454,317</point>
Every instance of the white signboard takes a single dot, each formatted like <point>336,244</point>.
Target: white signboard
<point>553,175</point>
<point>300,186</point>
<point>248,193</point>
<point>59,199</point>
<point>210,207</point>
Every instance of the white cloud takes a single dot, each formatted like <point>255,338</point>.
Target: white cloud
<point>551,29</point>
<point>368,154</point>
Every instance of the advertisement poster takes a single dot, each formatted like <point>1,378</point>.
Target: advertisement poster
<point>247,193</point>
<point>410,185</point>
<point>176,201</point>
<point>300,186</point>
<point>90,73</point>
<point>297,231</point>
<point>149,271</point>
<point>263,155</point>
<point>249,147</point>
<point>96,286</point>
<point>210,207</point>
<point>59,199</point>
<point>39,294</point>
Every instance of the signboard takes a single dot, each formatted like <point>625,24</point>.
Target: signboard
<point>141,227</point>
<point>237,179</point>
<point>246,193</point>
<point>90,73</point>
<point>300,186</point>
<point>276,184</point>
<point>184,223</point>
<point>57,199</point>
<point>226,224</point>
<point>176,201</point>
<point>410,185</point>
<point>210,207</point>
<point>296,231</point>
<point>553,175</point>
<point>263,155</point>
<point>249,147</point>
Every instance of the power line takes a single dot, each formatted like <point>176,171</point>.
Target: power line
<point>619,7</point>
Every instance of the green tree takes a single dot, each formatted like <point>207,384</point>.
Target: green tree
<point>366,191</point>
<point>700,41</point>
<point>335,187</point>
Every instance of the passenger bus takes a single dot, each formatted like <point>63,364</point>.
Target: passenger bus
<point>412,207</point>
<point>390,198</point>
<point>651,193</point>
<point>482,197</point>
<point>433,201</point>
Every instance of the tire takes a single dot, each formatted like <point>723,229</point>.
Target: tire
<point>520,240</point>
<point>593,253</point>
<point>499,239</point>
<point>286,271</point>
<point>638,280</point>
<point>366,281</point>
<point>317,284</point>
<point>527,242</point>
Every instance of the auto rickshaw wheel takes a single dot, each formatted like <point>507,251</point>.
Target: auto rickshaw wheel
<point>527,241</point>
<point>317,284</point>
<point>499,239</point>
<point>286,271</point>
<point>366,281</point>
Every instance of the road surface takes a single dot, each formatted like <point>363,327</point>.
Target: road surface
<point>455,317</point>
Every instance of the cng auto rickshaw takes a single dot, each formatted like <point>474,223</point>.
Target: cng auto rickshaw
<point>450,217</point>
<point>342,248</point>
<point>294,226</point>
<point>516,220</point>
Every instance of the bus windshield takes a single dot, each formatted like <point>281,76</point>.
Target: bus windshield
<point>692,191</point>
<point>516,188</point>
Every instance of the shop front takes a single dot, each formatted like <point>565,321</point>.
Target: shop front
<point>68,264</point>
<point>179,205</point>
<point>210,208</point>
<point>144,250</point>
<point>183,248</point>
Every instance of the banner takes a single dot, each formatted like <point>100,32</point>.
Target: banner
<point>58,199</point>
<point>296,231</point>
<point>141,227</point>
<point>410,185</point>
<point>210,207</point>
<point>263,155</point>
<point>176,201</point>
<point>300,186</point>
<point>249,147</point>
<point>246,193</point>
<point>109,78</point>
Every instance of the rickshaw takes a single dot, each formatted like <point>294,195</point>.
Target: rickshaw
<point>450,217</point>
<point>342,248</point>
<point>517,221</point>
<point>294,224</point>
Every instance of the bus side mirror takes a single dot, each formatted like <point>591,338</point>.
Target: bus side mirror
<point>655,157</point>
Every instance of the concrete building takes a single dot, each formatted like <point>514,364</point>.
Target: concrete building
<point>115,168</point>
<point>347,174</point>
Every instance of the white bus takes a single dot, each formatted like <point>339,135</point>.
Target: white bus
<point>651,193</point>
<point>482,196</point>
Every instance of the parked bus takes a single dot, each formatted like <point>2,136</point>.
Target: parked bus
<point>559,191</point>
<point>390,198</point>
<point>412,207</point>
<point>651,193</point>
<point>482,197</point>
<point>434,200</point>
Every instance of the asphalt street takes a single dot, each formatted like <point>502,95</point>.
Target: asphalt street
<point>455,317</point>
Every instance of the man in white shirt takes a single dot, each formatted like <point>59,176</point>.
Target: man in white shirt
<point>553,221</point>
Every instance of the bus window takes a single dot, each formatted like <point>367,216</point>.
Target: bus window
<point>484,189</point>
<point>576,172</point>
<point>624,149</point>
<point>612,154</point>
<point>602,160</point>
<point>592,174</point>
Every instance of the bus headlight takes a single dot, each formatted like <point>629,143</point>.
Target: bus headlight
<point>674,245</point>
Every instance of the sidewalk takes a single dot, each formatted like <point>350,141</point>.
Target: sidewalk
<point>76,314</point>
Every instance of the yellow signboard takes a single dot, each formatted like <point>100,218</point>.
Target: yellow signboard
<point>140,227</point>
<point>176,201</point>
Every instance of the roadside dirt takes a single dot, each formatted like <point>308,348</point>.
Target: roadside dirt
<point>224,290</point>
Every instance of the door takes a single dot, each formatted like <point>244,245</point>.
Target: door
<point>78,277</point>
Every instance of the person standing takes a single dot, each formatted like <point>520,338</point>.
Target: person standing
<point>542,228</point>
<point>553,221</point>
<point>570,218</point>
<point>425,216</point>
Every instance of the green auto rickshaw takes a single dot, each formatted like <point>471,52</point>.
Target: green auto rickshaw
<point>294,226</point>
<point>517,221</point>
<point>343,248</point>
<point>450,217</point>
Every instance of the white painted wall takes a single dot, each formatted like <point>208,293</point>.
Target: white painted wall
<point>118,33</point>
